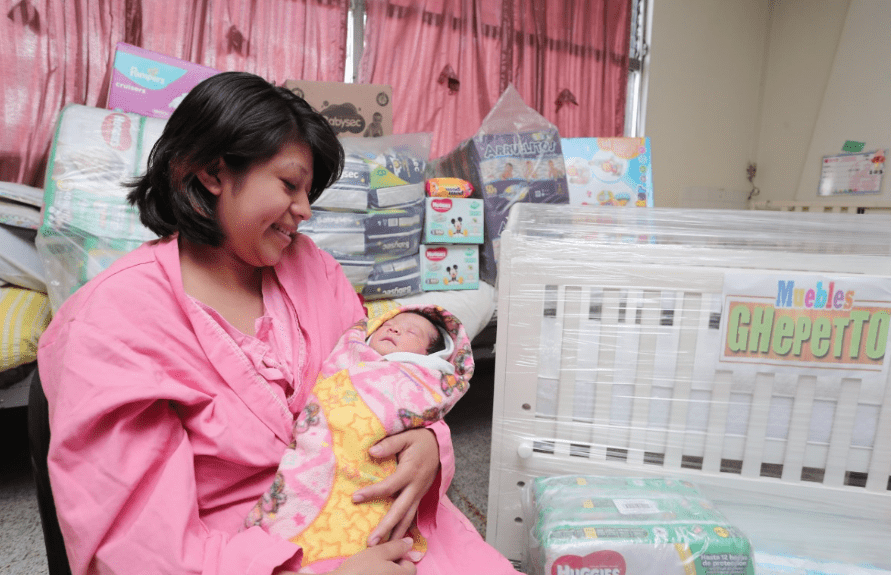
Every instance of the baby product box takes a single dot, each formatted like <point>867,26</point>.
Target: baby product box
<point>151,84</point>
<point>351,109</point>
<point>506,169</point>
<point>453,221</point>
<point>618,526</point>
<point>609,171</point>
<point>452,267</point>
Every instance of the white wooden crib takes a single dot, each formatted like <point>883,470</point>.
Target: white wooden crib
<point>609,327</point>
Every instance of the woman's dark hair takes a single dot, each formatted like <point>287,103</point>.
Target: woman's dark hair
<point>233,117</point>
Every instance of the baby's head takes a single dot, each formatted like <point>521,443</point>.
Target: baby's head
<point>407,331</point>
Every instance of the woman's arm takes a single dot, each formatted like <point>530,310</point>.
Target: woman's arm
<point>122,465</point>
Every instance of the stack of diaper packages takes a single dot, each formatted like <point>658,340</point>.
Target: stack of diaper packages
<point>87,221</point>
<point>453,232</point>
<point>515,157</point>
<point>372,218</point>
<point>592,525</point>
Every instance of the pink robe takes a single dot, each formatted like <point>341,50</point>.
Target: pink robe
<point>164,435</point>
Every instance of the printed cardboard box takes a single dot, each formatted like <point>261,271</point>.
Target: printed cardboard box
<point>609,171</point>
<point>505,169</point>
<point>453,221</point>
<point>151,84</point>
<point>452,267</point>
<point>351,109</point>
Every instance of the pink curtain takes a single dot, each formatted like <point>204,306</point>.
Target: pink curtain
<point>449,60</point>
<point>56,52</point>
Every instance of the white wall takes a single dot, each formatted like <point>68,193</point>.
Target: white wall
<point>703,95</point>
<point>779,82</point>
<point>856,104</point>
<point>803,38</point>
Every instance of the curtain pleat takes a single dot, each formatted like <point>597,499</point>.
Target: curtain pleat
<point>57,52</point>
<point>567,58</point>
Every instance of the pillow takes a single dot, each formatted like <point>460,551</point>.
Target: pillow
<point>25,315</point>
<point>20,264</point>
<point>19,215</point>
<point>22,193</point>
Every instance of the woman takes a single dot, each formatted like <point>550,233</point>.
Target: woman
<point>173,377</point>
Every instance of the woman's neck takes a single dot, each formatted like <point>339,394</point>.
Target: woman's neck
<point>216,278</point>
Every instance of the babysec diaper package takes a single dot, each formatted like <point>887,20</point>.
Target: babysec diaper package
<point>623,526</point>
<point>372,219</point>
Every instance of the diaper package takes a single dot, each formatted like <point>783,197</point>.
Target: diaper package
<point>615,525</point>
<point>609,171</point>
<point>516,156</point>
<point>372,219</point>
<point>87,222</point>
<point>449,267</point>
<point>453,221</point>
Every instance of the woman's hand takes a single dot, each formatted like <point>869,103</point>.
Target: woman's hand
<point>384,559</point>
<point>418,455</point>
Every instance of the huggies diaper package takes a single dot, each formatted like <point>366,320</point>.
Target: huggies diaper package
<point>453,267</point>
<point>453,221</point>
<point>589,525</point>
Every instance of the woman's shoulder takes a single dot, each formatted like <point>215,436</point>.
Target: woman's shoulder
<point>135,284</point>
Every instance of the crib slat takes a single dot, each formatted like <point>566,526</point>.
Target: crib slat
<point>683,376</point>
<point>714,443</point>
<point>643,387</point>
<point>798,429</point>
<point>569,310</point>
<point>612,311</point>
<point>757,429</point>
<point>842,430</point>
<point>880,466</point>
<point>627,351</point>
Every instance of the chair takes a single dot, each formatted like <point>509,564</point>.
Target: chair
<point>39,439</point>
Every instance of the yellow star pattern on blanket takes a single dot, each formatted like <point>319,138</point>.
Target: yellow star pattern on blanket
<point>355,428</point>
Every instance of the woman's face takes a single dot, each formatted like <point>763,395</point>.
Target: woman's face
<point>259,211</point>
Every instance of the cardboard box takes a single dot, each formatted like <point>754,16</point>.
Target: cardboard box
<point>453,221</point>
<point>449,267</point>
<point>609,171</point>
<point>505,169</point>
<point>351,109</point>
<point>151,84</point>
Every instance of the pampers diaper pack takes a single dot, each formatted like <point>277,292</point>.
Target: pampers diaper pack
<point>580,525</point>
<point>151,84</point>
<point>449,267</point>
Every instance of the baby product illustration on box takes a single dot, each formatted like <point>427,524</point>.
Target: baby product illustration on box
<point>609,171</point>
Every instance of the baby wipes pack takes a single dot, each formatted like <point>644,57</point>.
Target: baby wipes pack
<point>617,526</point>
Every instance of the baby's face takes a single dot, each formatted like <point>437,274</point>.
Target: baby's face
<point>404,332</point>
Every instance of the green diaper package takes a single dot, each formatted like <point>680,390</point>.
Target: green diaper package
<point>590,525</point>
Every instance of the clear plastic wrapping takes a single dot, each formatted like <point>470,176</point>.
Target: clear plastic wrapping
<point>87,222</point>
<point>614,525</point>
<point>742,351</point>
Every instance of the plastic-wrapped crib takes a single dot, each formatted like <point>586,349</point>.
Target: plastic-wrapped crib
<point>707,345</point>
